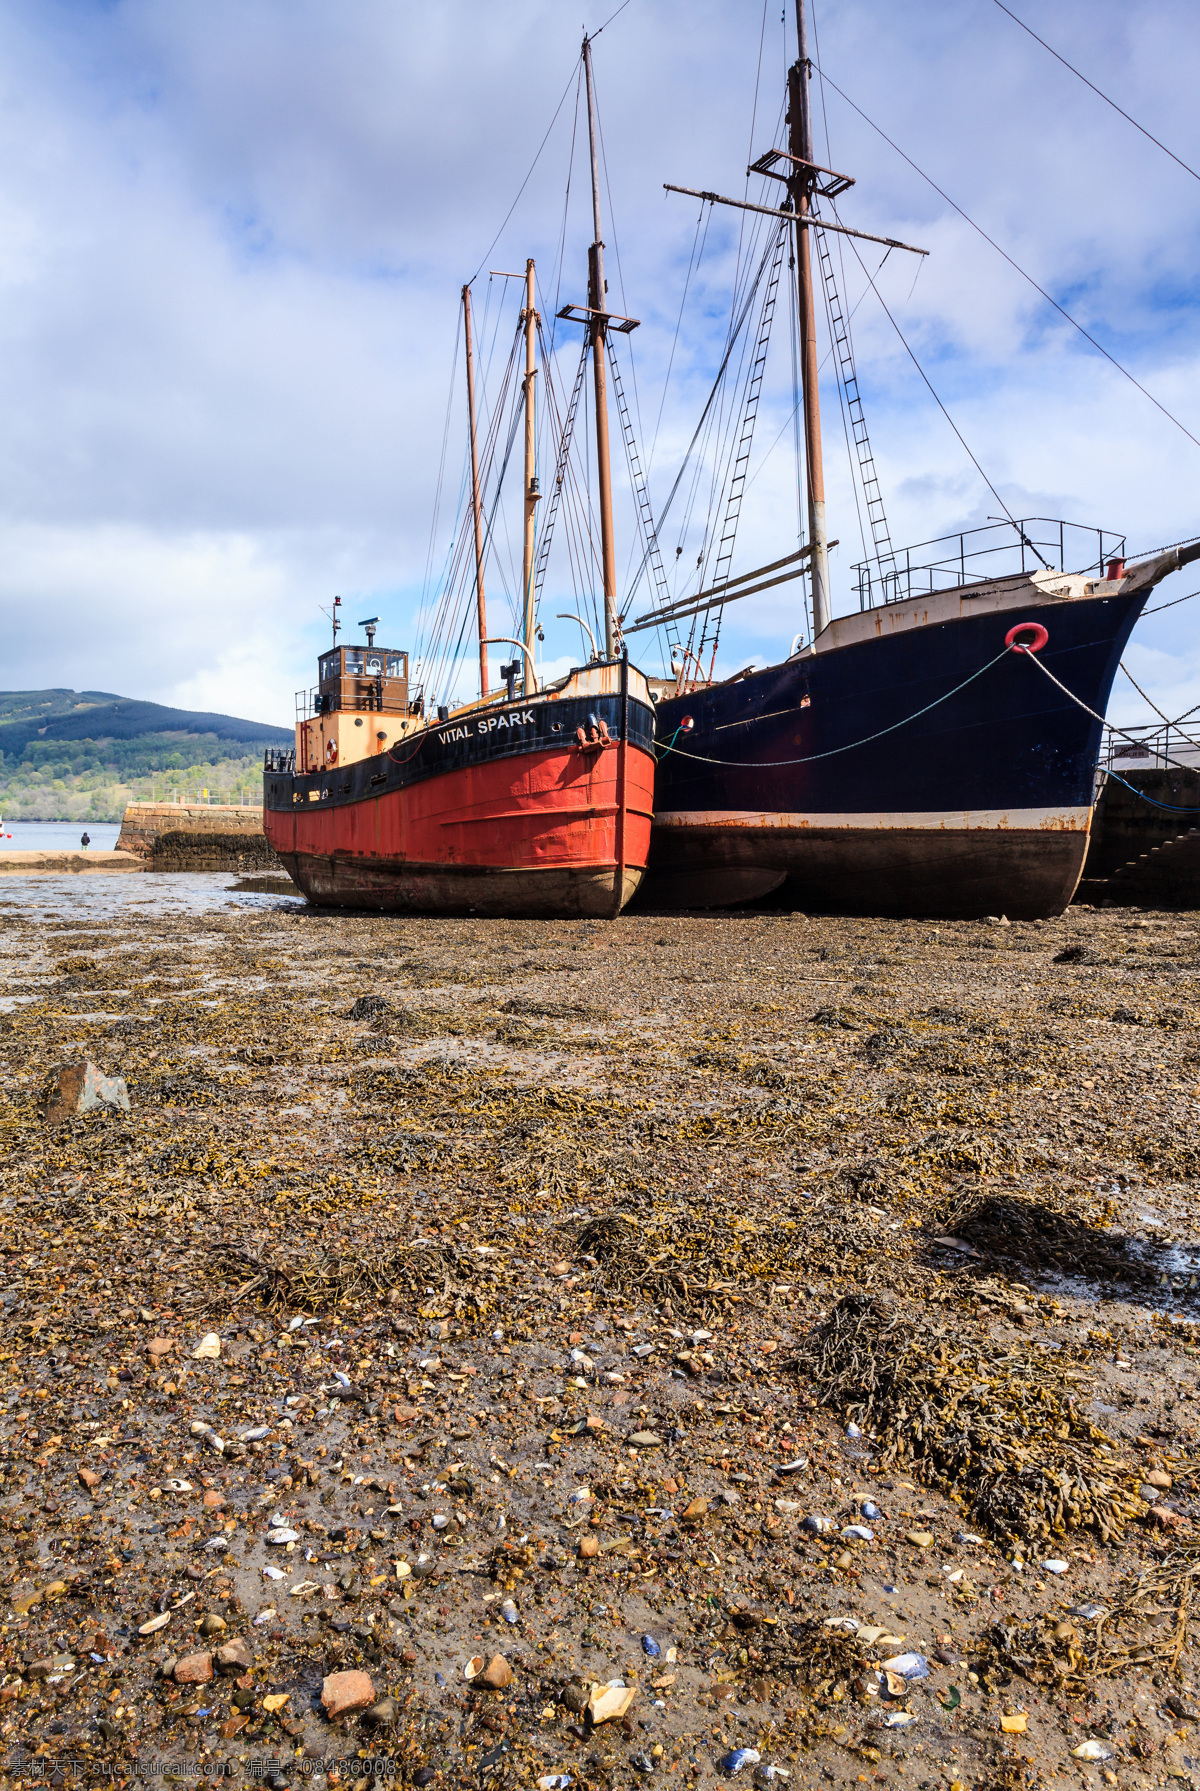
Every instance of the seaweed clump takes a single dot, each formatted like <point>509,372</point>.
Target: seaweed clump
<point>997,1427</point>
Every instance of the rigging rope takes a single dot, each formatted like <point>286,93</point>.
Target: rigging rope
<point>1171,807</point>
<point>916,363</point>
<point>1111,726</point>
<point>991,241</point>
<point>776,764</point>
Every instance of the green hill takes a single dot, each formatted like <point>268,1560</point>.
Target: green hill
<point>69,755</point>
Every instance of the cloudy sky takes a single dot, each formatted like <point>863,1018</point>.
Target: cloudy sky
<point>233,235</point>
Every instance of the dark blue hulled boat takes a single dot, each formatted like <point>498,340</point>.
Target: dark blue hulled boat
<point>933,754</point>
<point>981,804</point>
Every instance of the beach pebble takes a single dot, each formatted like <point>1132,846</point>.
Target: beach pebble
<point>194,1669</point>
<point>233,1657</point>
<point>344,1694</point>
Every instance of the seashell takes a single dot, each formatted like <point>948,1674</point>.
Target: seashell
<point>741,1756</point>
<point>909,1666</point>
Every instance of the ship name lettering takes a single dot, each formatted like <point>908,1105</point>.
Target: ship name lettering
<point>522,719</point>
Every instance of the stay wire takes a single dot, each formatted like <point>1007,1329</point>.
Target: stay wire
<point>537,158</point>
<point>916,363</point>
<point>1099,91</point>
<point>1153,705</point>
<point>1079,703</point>
<point>1003,253</point>
<point>1159,607</point>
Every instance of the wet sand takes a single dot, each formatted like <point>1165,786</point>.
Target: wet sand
<point>487,1217</point>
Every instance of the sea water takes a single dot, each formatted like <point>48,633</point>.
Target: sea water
<point>57,836</point>
<point>93,897</point>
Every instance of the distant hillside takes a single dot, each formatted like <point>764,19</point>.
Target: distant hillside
<point>75,755</point>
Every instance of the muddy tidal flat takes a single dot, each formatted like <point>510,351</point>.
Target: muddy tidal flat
<point>527,1354</point>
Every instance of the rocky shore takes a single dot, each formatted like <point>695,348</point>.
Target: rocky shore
<point>534,1354</point>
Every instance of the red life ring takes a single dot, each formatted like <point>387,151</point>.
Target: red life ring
<point>331,753</point>
<point>1039,638</point>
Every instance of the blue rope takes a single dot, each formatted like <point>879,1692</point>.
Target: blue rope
<point>1171,807</point>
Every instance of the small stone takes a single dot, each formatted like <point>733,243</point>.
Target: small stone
<point>276,1702</point>
<point>208,1348</point>
<point>89,1477</point>
<point>1167,1520</point>
<point>920,1538</point>
<point>576,1698</point>
<point>1159,1478</point>
<point>383,1714</point>
<point>194,1669</point>
<point>694,1512</point>
<point>233,1657</point>
<point>212,1625</point>
<point>496,1675</point>
<point>39,1669</point>
<point>645,1439</point>
<point>78,1088</point>
<point>589,1547</point>
<point>160,1346</point>
<point>213,1501</point>
<point>344,1694</point>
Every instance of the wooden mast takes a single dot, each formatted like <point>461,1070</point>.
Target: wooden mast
<point>476,499</point>
<point>800,187</point>
<point>598,334</point>
<point>532,493</point>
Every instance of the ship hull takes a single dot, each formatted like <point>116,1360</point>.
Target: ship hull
<point>498,812</point>
<point>980,805</point>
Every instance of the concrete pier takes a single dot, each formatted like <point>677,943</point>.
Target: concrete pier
<point>177,836</point>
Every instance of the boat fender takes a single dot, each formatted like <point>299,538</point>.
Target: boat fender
<point>686,725</point>
<point>1037,637</point>
<point>331,752</point>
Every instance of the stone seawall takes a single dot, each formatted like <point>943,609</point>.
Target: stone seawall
<point>176,836</point>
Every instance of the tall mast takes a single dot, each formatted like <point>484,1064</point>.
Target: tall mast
<point>476,499</point>
<point>800,187</point>
<point>531,485</point>
<point>598,332</point>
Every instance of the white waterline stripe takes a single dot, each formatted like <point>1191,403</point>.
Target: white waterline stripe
<point>999,820</point>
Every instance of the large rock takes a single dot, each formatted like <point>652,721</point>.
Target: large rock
<point>78,1087</point>
<point>344,1694</point>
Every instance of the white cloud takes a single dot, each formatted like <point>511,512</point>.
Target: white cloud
<point>234,237</point>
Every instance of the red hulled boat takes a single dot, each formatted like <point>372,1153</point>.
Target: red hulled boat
<point>537,805</point>
<point>535,801</point>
